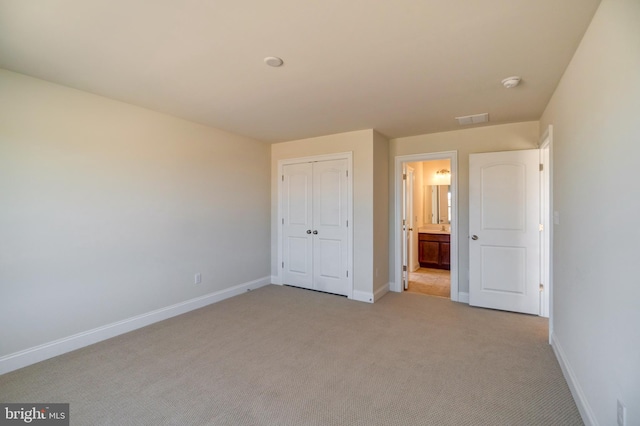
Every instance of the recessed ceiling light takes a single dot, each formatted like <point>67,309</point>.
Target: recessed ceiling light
<point>510,82</point>
<point>273,61</point>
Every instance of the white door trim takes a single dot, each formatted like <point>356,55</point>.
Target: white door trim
<point>546,142</point>
<point>452,156</point>
<point>407,227</point>
<point>337,156</point>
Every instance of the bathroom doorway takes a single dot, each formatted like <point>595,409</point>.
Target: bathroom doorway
<point>428,204</point>
<point>426,212</point>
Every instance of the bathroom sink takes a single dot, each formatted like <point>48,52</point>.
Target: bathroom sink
<point>425,230</point>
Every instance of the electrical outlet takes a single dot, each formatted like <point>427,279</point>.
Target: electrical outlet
<point>197,279</point>
<point>622,414</point>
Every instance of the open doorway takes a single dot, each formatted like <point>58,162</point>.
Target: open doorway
<point>426,224</point>
<point>428,219</point>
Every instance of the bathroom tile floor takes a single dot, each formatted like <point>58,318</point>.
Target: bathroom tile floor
<point>434,282</point>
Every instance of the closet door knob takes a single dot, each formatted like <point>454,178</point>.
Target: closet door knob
<point>308,231</point>
<point>315,232</point>
<point>475,237</point>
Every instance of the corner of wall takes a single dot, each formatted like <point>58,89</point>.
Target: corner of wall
<point>363,296</point>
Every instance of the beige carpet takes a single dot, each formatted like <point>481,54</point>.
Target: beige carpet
<point>285,356</point>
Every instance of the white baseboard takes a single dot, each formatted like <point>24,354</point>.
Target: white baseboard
<point>363,296</point>
<point>275,280</point>
<point>584,408</point>
<point>395,287</point>
<point>381,292</point>
<point>48,350</point>
<point>463,297</point>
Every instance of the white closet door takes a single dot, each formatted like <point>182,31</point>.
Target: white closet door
<point>315,230</point>
<point>330,215</point>
<point>297,227</point>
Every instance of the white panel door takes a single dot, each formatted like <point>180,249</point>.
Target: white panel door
<point>315,229</point>
<point>330,214</point>
<point>504,228</point>
<point>297,249</point>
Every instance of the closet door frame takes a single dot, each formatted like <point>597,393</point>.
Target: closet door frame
<point>337,156</point>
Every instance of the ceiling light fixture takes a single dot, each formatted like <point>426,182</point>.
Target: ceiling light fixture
<point>510,82</point>
<point>443,177</point>
<point>273,61</point>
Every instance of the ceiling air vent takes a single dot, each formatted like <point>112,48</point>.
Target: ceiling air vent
<point>473,119</point>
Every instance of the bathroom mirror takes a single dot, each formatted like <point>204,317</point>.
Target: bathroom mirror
<point>437,204</point>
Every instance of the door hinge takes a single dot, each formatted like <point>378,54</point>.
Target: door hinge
<point>541,227</point>
<point>404,176</point>
<point>541,167</point>
<point>404,268</point>
<point>282,265</point>
<point>283,178</point>
<point>347,274</point>
<point>347,171</point>
<point>347,224</point>
<point>404,222</point>
<point>283,220</point>
<point>541,287</point>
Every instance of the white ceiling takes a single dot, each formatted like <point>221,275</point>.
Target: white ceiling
<point>402,67</point>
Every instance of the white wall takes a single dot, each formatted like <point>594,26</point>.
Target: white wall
<point>108,210</point>
<point>481,139</point>
<point>361,143</point>
<point>380,214</point>
<point>596,149</point>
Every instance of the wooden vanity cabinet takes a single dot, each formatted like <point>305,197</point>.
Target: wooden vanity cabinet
<point>434,250</point>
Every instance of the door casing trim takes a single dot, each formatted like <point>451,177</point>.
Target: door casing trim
<point>546,142</point>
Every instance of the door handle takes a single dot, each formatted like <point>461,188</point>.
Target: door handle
<point>410,229</point>
<point>315,232</point>
<point>308,231</point>
<point>475,237</point>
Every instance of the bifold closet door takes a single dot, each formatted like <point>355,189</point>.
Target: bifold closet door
<point>315,228</point>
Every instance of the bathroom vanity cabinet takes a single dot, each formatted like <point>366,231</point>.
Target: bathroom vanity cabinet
<point>434,250</point>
